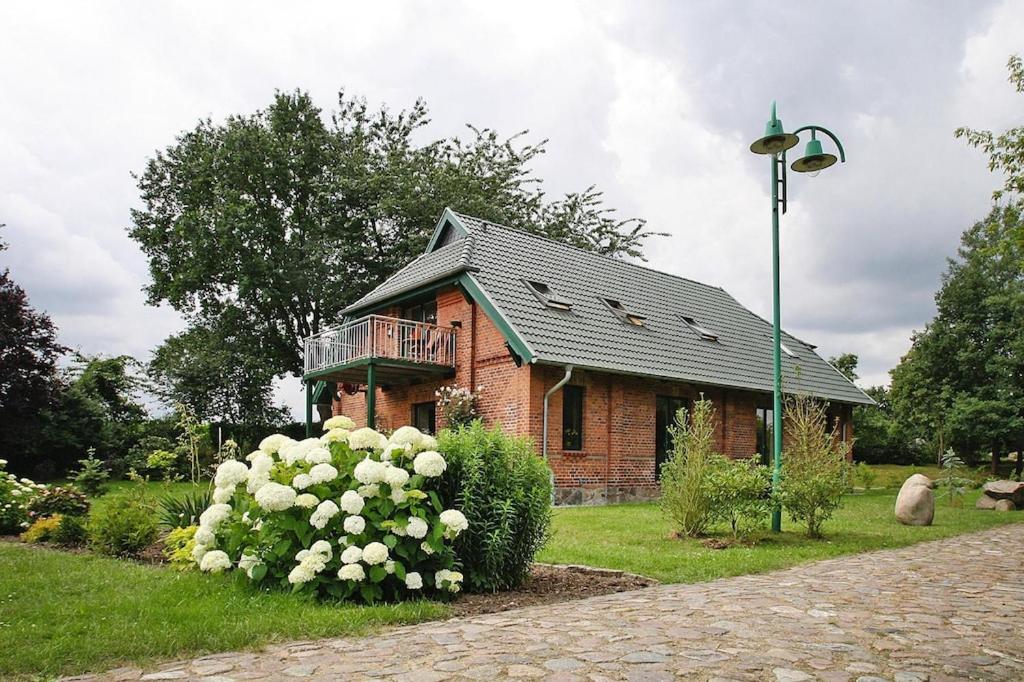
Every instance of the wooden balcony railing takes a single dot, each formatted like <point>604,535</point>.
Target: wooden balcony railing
<point>378,337</point>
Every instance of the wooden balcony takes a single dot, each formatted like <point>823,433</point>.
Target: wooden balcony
<point>400,351</point>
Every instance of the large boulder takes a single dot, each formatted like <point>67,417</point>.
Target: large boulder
<point>915,504</point>
<point>1006,490</point>
<point>985,502</point>
<point>1004,505</point>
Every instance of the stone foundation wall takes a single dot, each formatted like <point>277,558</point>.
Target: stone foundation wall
<point>577,496</point>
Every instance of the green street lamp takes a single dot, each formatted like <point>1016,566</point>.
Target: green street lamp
<point>775,143</point>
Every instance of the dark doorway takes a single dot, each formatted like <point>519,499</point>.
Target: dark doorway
<point>666,407</point>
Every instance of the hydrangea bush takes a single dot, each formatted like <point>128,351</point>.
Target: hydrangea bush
<point>15,495</point>
<point>351,515</point>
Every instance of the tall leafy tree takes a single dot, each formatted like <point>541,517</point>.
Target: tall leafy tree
<point>287,215</point>
<point>29,380</point>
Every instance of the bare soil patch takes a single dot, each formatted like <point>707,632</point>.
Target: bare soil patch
<point>550,584</point>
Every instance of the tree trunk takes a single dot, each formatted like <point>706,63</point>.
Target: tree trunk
<point>996,455</point>
<point>1020,461</point>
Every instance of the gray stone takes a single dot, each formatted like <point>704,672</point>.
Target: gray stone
<point>166,675</point>
<point>1005,505</point>
<point>915,504</point>
<point>790,675</point>
<point>644,657</point>
<point>1006,490</point>
<point>985,502</point>
<point>563,664</point>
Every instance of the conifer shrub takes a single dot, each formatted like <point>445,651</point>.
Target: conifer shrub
<point>504,490</point>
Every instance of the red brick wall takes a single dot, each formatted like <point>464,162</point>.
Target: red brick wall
<point>619,411</point>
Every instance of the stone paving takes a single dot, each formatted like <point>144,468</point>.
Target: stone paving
<point>945,610</point>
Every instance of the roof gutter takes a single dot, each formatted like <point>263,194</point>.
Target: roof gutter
<point>544,447</point>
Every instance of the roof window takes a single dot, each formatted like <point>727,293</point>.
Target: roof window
<point>699,330</point>
<point>629,317</point>
<point>549,296</point>
<point>785,349</point>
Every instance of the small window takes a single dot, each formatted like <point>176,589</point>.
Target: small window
<point>701,331</point>
<point>572,418</point>
<point>626,316</point>
<point>423,416</point>
<point>549,296</point>
<point>784,348</point>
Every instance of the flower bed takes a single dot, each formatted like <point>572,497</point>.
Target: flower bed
<point>351,515</point>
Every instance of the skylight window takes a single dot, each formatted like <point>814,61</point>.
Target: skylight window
<point>785,349</point>
<point>627,316</point>
<point>549,296</point>
<point>699,330</point>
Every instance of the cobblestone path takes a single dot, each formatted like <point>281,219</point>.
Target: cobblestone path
<point>943,610</point>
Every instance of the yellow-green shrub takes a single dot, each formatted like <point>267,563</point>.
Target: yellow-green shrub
<point>178,547</point>
<point>42,530</point>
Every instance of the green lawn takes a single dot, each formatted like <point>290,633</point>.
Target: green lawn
<point>636,538</point>
<point>64,613</point>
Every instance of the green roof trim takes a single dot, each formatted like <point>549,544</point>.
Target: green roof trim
<point>500,320</point>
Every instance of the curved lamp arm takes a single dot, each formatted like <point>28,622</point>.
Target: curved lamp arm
<point>839,145</point>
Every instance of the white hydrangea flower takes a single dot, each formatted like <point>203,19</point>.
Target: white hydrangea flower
<point>335,436</point>
<point>450,580</point>
<point>352,572</point>
<point>427,442</point>
<point>323,548</point>
<point>199,551</point>
<point>223,495</point>
<point>454,522</point>
<point>398,495</point>
<point>318,456</point>
<point>396,477</point>
<point>352,502</point>
<point>257,479</point>
<point>429,463</point>
<point>375,553</point>
<point>393,450</point>
<point>322,473</point>
<point>399,531</point>
<point>204,536</point>
<point>249,562</point>
<point>309,565</point>
<point>416,527</point>
<point>427,549</point>
<point>302,481</point>
<point>273,444</point>
<point>214,561</point>
<point>215,515</point>
<point>275,497</point>
<point>339,422</point>
<point>369,471</point>
<point>389,567</point>
<point>306,501</point>
<point>324,512</point>
<point>355,525</point>
<point>413,581</point>
<point>343,541</point>
<point>230,473</point>
<point>351,555</point>
<point>297,451</point>
<point>367,439</point>
<point>406,435</point>
<point>368,491</point>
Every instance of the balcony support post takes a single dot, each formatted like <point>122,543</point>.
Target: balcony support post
<point>371,395</point>
<point>309,408</point>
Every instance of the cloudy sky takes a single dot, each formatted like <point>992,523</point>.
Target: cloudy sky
<point>655,102</point>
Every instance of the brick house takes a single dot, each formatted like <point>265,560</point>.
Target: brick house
<point>608,350</point>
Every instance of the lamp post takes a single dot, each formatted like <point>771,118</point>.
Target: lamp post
<point>775,143</point>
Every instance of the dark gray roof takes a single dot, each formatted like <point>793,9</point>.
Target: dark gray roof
<point>501,259</point>
<point>444,262</point>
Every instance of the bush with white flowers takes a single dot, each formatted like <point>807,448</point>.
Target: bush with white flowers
<point>352,515</point>
<point>15,495</point>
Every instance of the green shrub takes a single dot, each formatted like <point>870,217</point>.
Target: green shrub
<point>178,547</point>
<point>41,530</point>
<point>125,527</point>
<point>163,462</point>
<point>504,490</point>
<point>71,532</point>
<point>815,471</point>
<point>63,500</point>
<point>865,475</point>
<point>181,511</point>
<point>740,494</point>
<point>15,496</point>
<point>92,476</point>
<point>686,486</point>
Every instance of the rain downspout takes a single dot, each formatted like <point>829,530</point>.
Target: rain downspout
<point>544,446</point>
